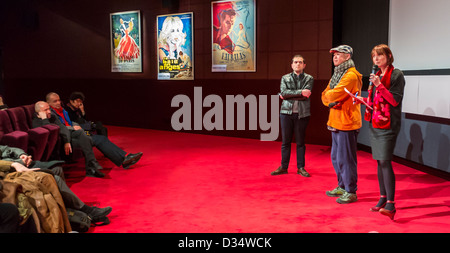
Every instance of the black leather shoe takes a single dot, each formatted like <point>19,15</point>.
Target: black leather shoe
<point>303,172</point>
<point>93,170</point>
<point>98,213</point>
<point>95,164</point>
<point>131,159</point>
<point>279,171</point>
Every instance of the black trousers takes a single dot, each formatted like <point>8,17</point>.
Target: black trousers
<point>86,143</point>
<point>82,141</point>
<point>292,125</point>
<point>109,149</point>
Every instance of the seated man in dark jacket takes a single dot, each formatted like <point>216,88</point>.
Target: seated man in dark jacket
<point>70,136</point>
<point>109,149</point>
<point>15,159</point>
<point>75,109</point>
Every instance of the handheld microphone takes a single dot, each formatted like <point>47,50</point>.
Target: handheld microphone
<point>374,71</point>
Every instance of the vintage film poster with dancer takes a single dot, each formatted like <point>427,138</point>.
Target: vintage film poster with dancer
<point>233,36</point>
<point>175,46</point>
<point>126,41</point>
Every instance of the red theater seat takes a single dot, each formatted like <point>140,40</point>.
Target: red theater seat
<point>38,137</point>
<point>10,137</point>
<point>29,112</point>
<point>52,128</point>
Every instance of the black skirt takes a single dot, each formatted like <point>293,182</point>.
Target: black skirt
<point>383,143</point>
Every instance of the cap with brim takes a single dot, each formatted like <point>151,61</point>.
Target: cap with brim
<point>342,49</point>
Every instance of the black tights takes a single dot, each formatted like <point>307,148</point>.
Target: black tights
<point>386,180</point>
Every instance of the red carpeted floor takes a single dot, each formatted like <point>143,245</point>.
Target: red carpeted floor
<point>191,183</point>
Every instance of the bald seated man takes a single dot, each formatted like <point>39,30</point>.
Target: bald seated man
<point>72,134</point>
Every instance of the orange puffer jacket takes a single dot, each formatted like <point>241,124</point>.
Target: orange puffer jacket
<point>346,116</point>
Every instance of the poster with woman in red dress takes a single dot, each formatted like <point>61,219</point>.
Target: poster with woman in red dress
<point>125,42</point>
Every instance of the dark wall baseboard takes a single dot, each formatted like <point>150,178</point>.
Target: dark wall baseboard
<point>427,118</point>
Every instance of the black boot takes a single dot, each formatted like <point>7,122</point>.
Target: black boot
<point>92,170</point>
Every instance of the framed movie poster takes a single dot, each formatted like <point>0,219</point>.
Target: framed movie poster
<point>233,36</point>
<point>126,41</point>
<point>175,46</point>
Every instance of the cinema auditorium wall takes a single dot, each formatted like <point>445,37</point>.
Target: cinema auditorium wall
<point>64,46</point>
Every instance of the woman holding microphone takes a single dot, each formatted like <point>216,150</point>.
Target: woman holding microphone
<point>385,97</point>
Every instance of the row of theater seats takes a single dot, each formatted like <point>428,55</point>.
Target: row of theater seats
<point>16,131</point>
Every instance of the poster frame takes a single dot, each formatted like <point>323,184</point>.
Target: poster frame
<point>126,67</point>
<point>190,73</point>
<point>252,25</point>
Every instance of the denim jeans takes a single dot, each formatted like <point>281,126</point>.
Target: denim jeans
<point>292,125</point>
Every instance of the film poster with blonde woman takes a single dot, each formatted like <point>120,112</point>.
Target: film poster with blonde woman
<point>233,36</point>
<point>126,42</point>
<point>175,42</point>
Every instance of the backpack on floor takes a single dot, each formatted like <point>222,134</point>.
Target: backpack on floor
<point>79,221</point>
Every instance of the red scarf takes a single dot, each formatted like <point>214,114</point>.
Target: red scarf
<point>60,112</point>
<point>381,115</point>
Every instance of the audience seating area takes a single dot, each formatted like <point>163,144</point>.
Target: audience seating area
<point>43,144</point>
<point>16,131</point>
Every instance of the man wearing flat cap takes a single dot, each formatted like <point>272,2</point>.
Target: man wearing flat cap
<point>344,122</point>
